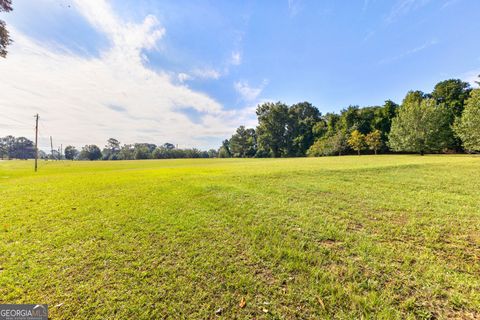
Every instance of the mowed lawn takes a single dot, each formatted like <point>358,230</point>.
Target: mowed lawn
<point>384,237</point>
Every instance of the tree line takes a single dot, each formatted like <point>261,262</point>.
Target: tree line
<point>16,148</point>
<point>445,120</point>
<point>113,150</point>
<point>23,148</point>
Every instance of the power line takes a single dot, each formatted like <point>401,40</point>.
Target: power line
<point>12,119</point>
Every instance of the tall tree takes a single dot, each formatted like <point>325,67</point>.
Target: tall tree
<point>453,94</point>
<point>356,141</point>
<point>420,126</point>
<point>272,134</point>
<point>303,118</point>
<point>383,119</point>
<point>113,144</point>
<point>6,6</point>
<point>468,126</point>
<point>111,150</point>
<point>243,143</point>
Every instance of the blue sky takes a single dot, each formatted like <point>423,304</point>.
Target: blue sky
<point>189,72</point>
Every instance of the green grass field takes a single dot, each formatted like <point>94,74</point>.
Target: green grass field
<point>384,237</point>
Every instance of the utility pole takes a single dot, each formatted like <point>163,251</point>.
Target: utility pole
<point>51,146</point>
<point>61,151</point>
<point>36,141</point>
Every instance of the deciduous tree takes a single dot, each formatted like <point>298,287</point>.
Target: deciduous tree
<point>71,152</point>
<point>111,150</point>
<point>90,152</point>
<point>243,143</point>
<point>356,141</point>
<point>453,94</point>
<point>142,152</point>
<point>374,140</point>
<point>273,121</point>
<point>467,126</point>
<point>303,117</point>
<point>416,96</point>
<point>420,126</point>
<point>126,152</point>
<point>6,6</point>
<point>329,145</point>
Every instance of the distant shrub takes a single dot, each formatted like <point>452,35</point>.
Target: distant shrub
<point>329,146</point>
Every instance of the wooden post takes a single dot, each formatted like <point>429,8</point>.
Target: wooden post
<point>36,142</point>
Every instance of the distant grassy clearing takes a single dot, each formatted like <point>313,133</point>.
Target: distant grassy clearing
<point>340,237</point>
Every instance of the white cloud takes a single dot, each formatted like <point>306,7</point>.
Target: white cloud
<point>87,100</point>
<point>182,77</point>
<point>472,77</point>
<point>199,74</point>
<point>206,73</point>
<point>236,58</point>
<point>247,92</point>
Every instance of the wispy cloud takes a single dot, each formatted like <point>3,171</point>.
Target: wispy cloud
<point>183,77</point>
<point>403,7</point>
<point>247,92</point>
<point>369,34</point>
<point>409,52</point>
<point>366,3</point>
<point>294,7</point>
<point>89,99</point>
<point>448,3</point>
<point>472,77</point>
<point>236,58</point>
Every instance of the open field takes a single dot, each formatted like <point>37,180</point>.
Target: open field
<point>339,237</point>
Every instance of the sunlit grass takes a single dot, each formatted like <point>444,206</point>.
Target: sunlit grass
<point>339,237</point>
